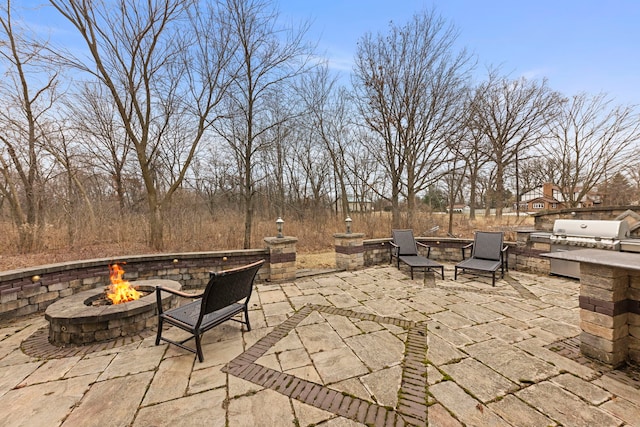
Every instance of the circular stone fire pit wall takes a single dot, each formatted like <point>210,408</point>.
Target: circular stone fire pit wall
<point>72,321</point>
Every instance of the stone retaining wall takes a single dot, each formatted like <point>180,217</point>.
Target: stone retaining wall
<point>31,290</point>
<point>524,255</point>
<point>376,251</point>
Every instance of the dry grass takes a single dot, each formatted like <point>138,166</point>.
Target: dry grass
<point>316,260</point>
<point>188,231</point>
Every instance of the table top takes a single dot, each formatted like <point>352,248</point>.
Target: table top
<point>627,260</point>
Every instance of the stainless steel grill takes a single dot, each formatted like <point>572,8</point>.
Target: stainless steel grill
<point>569,234</point>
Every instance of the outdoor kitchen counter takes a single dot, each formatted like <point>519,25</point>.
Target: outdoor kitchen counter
<point>609,303</point>
<point>626,260</point>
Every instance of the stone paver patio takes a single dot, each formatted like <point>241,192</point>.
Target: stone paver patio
<point>369,347</point>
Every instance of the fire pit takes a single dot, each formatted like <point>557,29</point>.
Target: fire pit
<point>75,321</point>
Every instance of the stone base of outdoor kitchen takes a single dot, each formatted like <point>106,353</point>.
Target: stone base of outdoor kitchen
<point>609,304</point>
<point>73,322</point>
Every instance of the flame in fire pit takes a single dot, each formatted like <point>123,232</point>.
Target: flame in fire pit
<point>120,291</point>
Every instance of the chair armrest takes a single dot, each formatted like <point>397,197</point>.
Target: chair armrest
<point>469,246</point>
<point>427,247</point>
<point>505,256</point>
<point>179,293</point>
<point>393,250</point>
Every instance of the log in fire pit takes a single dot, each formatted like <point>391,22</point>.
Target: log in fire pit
<point>75,320</point>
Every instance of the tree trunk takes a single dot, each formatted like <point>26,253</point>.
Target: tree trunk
<point>156,228</point>
<point>343,198</point>
<point>395,207</point>
<point>411,205</point>
<point>156,224</point>
<point>452,199</point>
<point>248,222</point>
<point>499,188</point>
<point>472,195</point>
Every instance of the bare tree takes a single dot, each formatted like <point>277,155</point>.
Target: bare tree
<point>266,61</point>
<point>61,144</point>
<point>215,179</point>
<point>364,175</point>
<point>512,115</point>
<point>314,165</point>
<point>28,92</point>
<point>407,85</point>
<point>163,64</point>
<point>280,141</point>
<point>330,119</point>
<point>454,180</point>
<point>367,177</point>
<point>102,135</point>
<point>589,139</point>
<point>472,146</point>
<point>536,171</point>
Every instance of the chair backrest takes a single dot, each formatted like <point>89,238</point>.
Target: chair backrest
<point>405,241</point>
<point>229,286</point>
<point>487,245</point>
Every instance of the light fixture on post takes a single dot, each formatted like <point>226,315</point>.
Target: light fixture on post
<point>279,223</point>
<point>348,221</point>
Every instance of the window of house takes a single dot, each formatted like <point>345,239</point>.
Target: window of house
<point>538,206</point>
<point>554,205</point>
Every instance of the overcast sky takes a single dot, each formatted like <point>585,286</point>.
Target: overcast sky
<point>579,45</point>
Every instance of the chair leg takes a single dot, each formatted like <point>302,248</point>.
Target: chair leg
<point>199,348</point>
<point>493,282</point>
<point>442,272</point>
<point>159,333</point>
<point>455,273</point>
<point>246,318</point>
<point>411,272</point>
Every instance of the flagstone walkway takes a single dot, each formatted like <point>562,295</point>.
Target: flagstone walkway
<point>370,347</point>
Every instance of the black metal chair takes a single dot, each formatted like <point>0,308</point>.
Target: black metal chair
<point>488,254</point>
<point>226,295</point>
<point>404,247</point>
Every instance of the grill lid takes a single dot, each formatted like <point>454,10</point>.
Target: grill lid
<point>593,229</point>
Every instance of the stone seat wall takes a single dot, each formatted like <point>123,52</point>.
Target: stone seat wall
<point>31,290</point>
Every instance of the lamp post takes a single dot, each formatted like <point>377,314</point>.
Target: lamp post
<point>348,221</point>
<point>279,223</point>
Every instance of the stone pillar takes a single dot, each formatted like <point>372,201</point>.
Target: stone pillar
<point>604,315</point>
<point>633,317</point>
<point>282,259</point>
<point>349,250</point>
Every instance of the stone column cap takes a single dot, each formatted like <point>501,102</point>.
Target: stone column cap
<point>280,240</point>
<point>349,235</point>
